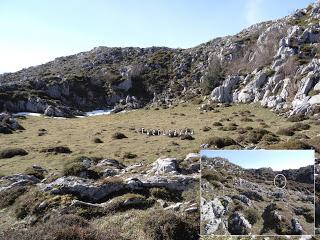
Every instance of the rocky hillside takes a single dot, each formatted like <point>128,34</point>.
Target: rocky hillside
<point>241,201</point>
<point>103,200</point>
<point>275,63</point>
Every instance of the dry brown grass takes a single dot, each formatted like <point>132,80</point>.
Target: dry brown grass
<point>78,135</point>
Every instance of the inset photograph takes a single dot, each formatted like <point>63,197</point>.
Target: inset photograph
<point>257,192</point>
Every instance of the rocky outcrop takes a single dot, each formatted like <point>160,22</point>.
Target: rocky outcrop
<point>90,191</point>
<point>273,63</point>
<point>8,124</point>
<point>163,174</point>
<point>241,201</point>
<point>211,214</point>
<point>165,165</point>
<point>238,224</point>
<point>223,94</point>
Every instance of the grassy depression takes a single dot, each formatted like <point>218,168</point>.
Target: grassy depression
<point>80,134</point>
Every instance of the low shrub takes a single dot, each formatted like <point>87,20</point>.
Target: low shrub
<point>187,137</point>
<point>252,215</point>
<point>129,155</point>
<point>296,118</point>
<point>252,135</point>
<point>246,119</point>
<point>65,227</point>
<point>8,197</point>
<point>300,126</point>
<point>286,131</point>
<point>206,128</point>
<point>97,140</point>
<point>270,138</point>
<point>228,128</point>
<point>290,145</point>
<point>211,176</point>
<point>162,193</point>
<point>73,169</point>
<point>220,142</point>
<point>57,149</point>
<point>34,172</point>
<point>217,124</point>
<point>118,135</point>
<point>300,136</point>
<point>12,152</point>
<point>164,225</point>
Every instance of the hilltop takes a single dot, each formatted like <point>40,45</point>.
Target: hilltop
<point>274,63</point>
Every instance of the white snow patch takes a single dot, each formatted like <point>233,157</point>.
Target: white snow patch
<point>27,114</point>
<point>98,113</point>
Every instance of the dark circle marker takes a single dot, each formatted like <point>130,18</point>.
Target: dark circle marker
<point>280,181</point>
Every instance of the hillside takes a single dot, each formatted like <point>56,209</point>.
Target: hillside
<point>241,201</point>
<point>67,174</point>
<point>274,63</point>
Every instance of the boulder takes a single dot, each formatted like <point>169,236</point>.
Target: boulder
<point>164,166</point>
<point>191,157</point>
<point>111,163</point>
<point>211,213</point>
<point>17,181</point>
<point>8,123</point>
<point>296,227</point>
<point>238,224</point>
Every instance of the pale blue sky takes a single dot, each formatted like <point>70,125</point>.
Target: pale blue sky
<point>276,159</point>
<point>36,31</point>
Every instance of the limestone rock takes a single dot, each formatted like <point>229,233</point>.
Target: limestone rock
<point>238,224</point>
<point>164,166</point>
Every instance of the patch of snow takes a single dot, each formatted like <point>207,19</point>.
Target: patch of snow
<point>27,114</point>
<point>98,113</point>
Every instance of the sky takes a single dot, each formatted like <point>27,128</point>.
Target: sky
<point>276,159</point>
<point>36,31</point>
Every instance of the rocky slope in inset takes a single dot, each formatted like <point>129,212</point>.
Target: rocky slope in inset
<point>160,201</point>
<point>241,201</point>
<point>275,63</point>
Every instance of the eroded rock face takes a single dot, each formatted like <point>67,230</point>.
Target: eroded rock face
<point>91,191</point>
<point>223,94</point>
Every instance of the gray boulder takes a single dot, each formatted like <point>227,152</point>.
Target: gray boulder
<point>211,213</point>
<point>238,224</point>
<point>164,166</point>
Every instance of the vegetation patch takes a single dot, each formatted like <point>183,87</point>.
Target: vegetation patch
<point>253,135</point>
<point>220,142</point>
<point>12,152</point>
<point>57,150</point>
<point>164,225</point>
<point>252,215</point>
<point>8,197</point>
<point>118,135</point>
<point>163,193</point>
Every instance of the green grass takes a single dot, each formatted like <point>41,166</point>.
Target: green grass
<point>78,135</point>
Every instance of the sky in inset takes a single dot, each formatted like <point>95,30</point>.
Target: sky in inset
<point>36,31</point>
<point>276,159</point>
